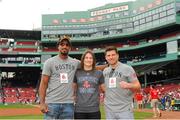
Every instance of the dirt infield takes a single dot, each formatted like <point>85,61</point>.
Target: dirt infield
<point>165,114</point>
<point>36,111</point>
<point>19,111</point>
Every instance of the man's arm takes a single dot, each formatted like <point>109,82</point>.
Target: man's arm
<point>42,92</point>
<point>102,92</point>
<point>134,86</point>
<point>75,91</point>
<point>101,67</point>
<point>102,88</point>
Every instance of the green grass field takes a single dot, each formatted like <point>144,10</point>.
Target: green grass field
<point>2,106</point>
<point>138,115</point>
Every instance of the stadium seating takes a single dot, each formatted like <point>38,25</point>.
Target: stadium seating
<point>26,43</point>
<point>169,35</point>
<point>1,99</point>
<point>25,49</point>
<point>26,95</point>
<point>3,41</point>
<point>11,100</point>
<point>10,95</point>
<point>16,95</point>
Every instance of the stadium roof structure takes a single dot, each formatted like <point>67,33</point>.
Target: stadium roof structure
<point>20,34</point>
<point>150,67</point>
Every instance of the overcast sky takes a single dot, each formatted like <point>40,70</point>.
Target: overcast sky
<point>26,14</point>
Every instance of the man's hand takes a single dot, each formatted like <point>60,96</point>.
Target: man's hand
<point>134,86</point>
<point>101,97</point>
<point>125,85</point>
<point>44,108</point>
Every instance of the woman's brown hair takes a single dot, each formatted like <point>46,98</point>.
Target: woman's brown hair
<point>83,57</point>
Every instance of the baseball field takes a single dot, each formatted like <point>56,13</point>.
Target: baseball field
<point>24,111</point>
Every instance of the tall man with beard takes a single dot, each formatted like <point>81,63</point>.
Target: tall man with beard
<point>56,91</point>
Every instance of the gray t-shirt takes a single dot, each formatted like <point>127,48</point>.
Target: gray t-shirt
<point>61,74</point>
<point>118,99</point>
<point>88,90</point>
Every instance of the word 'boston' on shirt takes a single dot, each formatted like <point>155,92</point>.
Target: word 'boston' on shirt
<point>61,74</point>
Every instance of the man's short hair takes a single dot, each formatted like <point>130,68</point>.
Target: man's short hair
<point>110,48</point>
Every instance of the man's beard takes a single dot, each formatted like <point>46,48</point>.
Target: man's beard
<point>64,53</point>
<point>114,63</point>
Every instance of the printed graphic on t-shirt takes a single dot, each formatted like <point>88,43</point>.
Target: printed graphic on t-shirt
<point>63,78</point>
<point>87,84</point>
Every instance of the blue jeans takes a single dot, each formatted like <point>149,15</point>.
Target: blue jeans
<point>60,111</point>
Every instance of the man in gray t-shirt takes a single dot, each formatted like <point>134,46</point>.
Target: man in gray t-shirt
<point>121,82</point>
<point>56,87</point>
